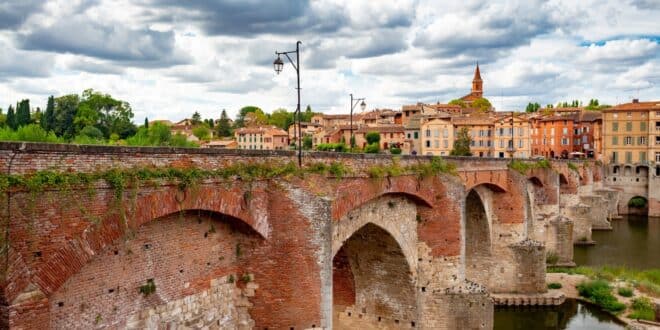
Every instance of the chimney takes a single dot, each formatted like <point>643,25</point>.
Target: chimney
<point>635,100</point>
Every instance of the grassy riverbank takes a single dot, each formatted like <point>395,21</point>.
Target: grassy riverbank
<point>647,281</point>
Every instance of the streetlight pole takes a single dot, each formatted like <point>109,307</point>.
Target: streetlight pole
<point>278,65</point>
<point>354,102</point>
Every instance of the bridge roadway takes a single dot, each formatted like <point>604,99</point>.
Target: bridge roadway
<point>359,250</point>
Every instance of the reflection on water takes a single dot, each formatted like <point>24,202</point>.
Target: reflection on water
<point>633,242</point>
<point>571,315</point>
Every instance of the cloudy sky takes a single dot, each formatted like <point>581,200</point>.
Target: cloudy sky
<point>169,58</point>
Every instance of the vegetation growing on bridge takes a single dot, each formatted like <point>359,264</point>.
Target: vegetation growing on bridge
<point>436,166</point>
<point>525,166</point>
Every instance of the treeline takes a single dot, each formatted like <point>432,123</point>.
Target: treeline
<point>97,118</point>
<point>593,105</point>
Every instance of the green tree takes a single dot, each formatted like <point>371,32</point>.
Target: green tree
<point>3,118</point>
<point>457,102</point>
<point>114,116</point>
<point>372,137</point>
<point>308,114</point>
<point>196,118</point>
<point>223,128</point>
<point>482,104</point>
<point>532,107</point>
<point>256,118</point>
<point>281,118</point>
<point>11,118</point>
<point>307,142</point>
<point>240,119</point>
<point>202,132</point>
<point>462,143</point>
<point>48,118</point>
<point>66,108</point>
<point>146,122</point>
<point>23,113</point>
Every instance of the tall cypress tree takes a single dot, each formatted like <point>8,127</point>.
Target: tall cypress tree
<point>146,122</point>
<point>48,118</point>
<point>11,118</point>
<point>23,113</point>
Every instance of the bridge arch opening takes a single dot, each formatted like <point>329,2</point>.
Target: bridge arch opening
<point>638,205</point>
<point>373,283</point>
<point>171,258</point>
<point>477,238</point>
<point>642,170</point>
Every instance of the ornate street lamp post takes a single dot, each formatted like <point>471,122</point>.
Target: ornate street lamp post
<point>278,65</point>
<point>354,102</point>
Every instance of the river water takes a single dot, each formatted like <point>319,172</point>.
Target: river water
<point>571,315</point>
<point>634,242</point>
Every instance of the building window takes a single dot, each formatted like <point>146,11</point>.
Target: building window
<point>628,157</point>
<point>552,131</point>
<point>564,130</point>
<point>642,156</point>
<point>657,139</point>
<point>428,133</point>
<point>428,143</point>
<point>446,144</point>
<point>642,126</point>
<point>615,115</point>
<point>576,142</point>
<point>445,133</point>
<point>628,140</point>
<point>629,126</point>
<point>641,140</point>
<point>615,127</point>
<point>615,159</point>
<point>521,143</point>
<point>415,135</point>
<point>436,144</point>
<point>408,135</point>
<point>615,140</point>
<point>629,114</point>
<point>436,133</point>
<point>657,156</point>
<point>501,143</point>
<point>521,131</point>
<point>564,141</point>
<point>657,126</point>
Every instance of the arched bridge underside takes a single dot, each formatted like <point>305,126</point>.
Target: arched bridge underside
<point>300,251</point>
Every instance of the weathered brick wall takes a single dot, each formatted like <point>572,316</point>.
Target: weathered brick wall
<point>57,237</point>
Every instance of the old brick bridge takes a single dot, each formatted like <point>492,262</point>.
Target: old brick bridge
<point>399,250</point>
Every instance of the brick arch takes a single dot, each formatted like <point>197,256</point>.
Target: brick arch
<point>395,214</point>
<point>193,247</point>
<point>496,180</point>
<point>76,252</point>
<point>353,194</point>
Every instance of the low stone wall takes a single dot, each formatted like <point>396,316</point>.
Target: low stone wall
<point>223,306</point>
<point>598,211</point>
<point>465,306</point>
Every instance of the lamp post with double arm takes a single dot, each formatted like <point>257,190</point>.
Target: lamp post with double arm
<point>278,65</point>
<point>354,103</point>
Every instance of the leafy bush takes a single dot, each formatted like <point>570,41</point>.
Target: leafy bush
<point>599,292</point>
<point>91,132</point>
<point>372,137</point>
<point>395,151</point>
<point>372,148</point>
<point>637,202</point>
<point>338,147</point>
<point>625,292</point>
<point>642,309</point>
<point>572,166</point>
<point>554,285</point>
<point>28,133</point>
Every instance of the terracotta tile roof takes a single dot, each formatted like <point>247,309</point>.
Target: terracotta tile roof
<point>472,121</point>
<point>381,129</point>
<point>262,130</point>
<point>649,105</point>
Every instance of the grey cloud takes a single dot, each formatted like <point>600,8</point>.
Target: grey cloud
<point>14,12</point>
<point>250,17</point>
<point>646,4</point>
<point>18,63</point>
<point>496,34</point>
<point>380,43</point>
<point>95,67</point>
<point>135,47</point>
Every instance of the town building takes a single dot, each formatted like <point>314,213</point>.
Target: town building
<point>262,138</point>
<point>390,136</point>
<point>631,133</point>
<point>511,135</point>
<point>566,133</point>
<point>437,136</point>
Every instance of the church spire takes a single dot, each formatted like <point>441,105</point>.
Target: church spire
<point>477,83</point>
